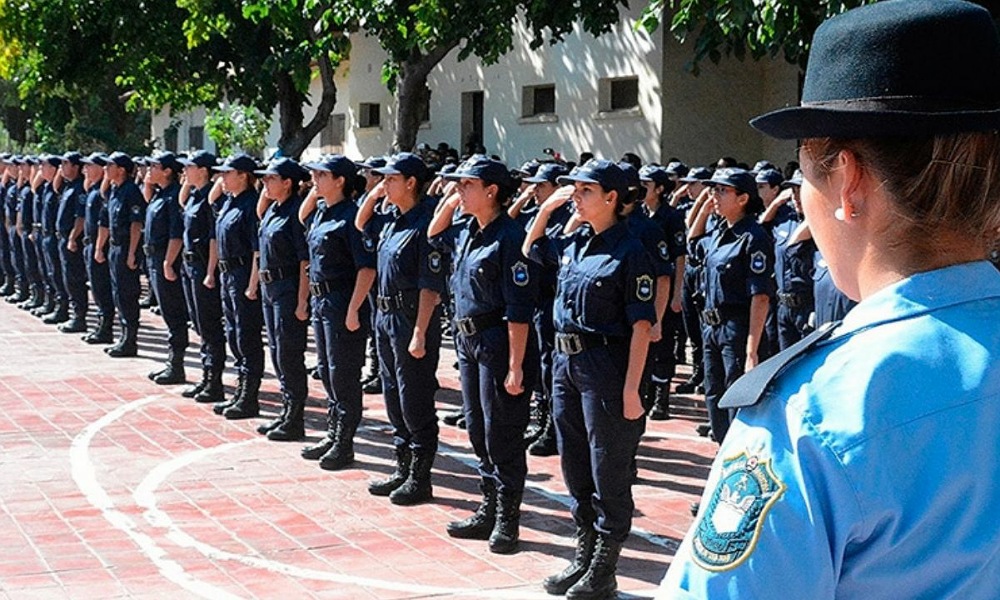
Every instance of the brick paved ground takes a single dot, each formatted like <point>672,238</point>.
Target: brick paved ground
<point>114,487</point>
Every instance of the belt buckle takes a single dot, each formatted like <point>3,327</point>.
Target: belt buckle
<point>383,303</point>
<point>223,265</point>
<point>265,276</point>
<point>712,317</point>
<point>570,344</point>
<point>316,289</point>
<point>466,326</point>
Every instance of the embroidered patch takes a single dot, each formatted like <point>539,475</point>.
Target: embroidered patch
<point>520,271</point>
<point>368,243</point>
<point>729,526</point>
<point>664,250</point>
<point>136,209</point>
<point>758,262</point>
<point>679,238</point>
<point>434,262</point>
<point>644,288</point>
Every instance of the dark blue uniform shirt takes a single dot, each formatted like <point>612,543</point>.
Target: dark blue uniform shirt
<point>606,281</point>
<point>337,250</point>
<point>549,272</point>
<point>671,221</point>
<point>199,223</point>
<point>406,260</point>
<point>654,240</point>
<point>50,208</point>
<point>10,203</point>
<point>164,220</point>
<point>283,237</point>
<point>26,206</point>
<point>237,226</point>
<point>125,206</point>
<point>92,215</point>
<point>793,264</point>
<point>739,264</point>
<point>72,205</point>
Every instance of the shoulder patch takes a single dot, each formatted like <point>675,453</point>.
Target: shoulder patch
<point>136,209</point>
<point>520,274</point>
<point>728,528</point>
<point>664,250</point>
<point>644,288</point>
<point>434,261</point>
<point>758,262</point>
<point>368,243</point>
<point>680,238</point>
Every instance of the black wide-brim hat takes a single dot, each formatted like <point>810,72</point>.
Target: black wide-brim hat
<point>898,68</point>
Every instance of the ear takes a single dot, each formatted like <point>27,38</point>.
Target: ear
<point>850,176</point>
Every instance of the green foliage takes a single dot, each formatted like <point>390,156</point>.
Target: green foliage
<point>741,28</point>
<point>235,127</point>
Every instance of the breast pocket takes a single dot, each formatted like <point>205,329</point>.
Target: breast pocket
<point>484,277</point>
<point>602,299</point>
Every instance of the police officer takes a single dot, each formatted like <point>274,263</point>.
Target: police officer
<point>26,232</point>
<point>6,256</point>
<point>737,277</point>
<point>411,279</point>
<point>495,293</point>
<point>236,234</point>
<point>98,273</point>
<point>11,177</point>
<point>914,369</point>
<point>200,275</point>
<point>121,224</point>
<point>164,235</point>
<point>341,274</point>
<point>604,310</point>
<point>689,190</point>
<point>283,261</point>
<point>48,197</point>
<point>69,233</point>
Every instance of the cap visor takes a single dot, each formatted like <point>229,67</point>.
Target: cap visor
<point>568,179</point>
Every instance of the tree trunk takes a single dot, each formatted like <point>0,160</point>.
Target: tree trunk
<point>412,95</point>
<point>295,137</point>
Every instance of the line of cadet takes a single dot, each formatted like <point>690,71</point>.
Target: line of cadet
<point>578,286</point>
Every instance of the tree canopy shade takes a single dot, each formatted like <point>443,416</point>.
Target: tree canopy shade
<point>741,28</point>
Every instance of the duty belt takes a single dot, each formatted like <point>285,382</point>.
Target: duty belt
<point>392,303</point>
<point>472,325</point>
<point>575,343</point>
<point>319,288</point>
<point>192,257</point>
<point>791,300</point>
<point>149,249</point>
<point>718,316</point>
<point>228,264</point>
<point>86,240</point>
<point>277,274</point>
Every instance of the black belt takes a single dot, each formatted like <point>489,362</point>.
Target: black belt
<point>792,300</point>
<point>320,288</point>
<point>115,242</point>
<point>192,257</point>
<point>228,264</point>
<point>391,303</point>
<point>278,274</point>
<point>575,343</point>
<point>36,226</point>
<point>473,325</point>
<point>717,316</point>
<point>149,249</point>
<point>86,240</point>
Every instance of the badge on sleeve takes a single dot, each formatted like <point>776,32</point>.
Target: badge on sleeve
<point>368,243</point>
<point>729,526</point>
<point>679,238</point>
<point>644,288</point>
<point>434,262</point>
<point>136,209</point>
<point>520,271</point>
<point>663,250</point>
<point>758,262</point>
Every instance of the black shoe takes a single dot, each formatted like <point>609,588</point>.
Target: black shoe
<point>599,581</point>
<point>506,531</point>
<point>385,487</point>
<point>77,324</point>
<point>341,455</point>
<point>59,315</point>
<point>586,542</point>
<point>546,444</point>
<point>417,488</point>
<point>704,430</point>
<point>661,403</point>
<point>284,432</point>
<point>314,373</point>
<point>213,392</point>
<point>453,418</point>
<point>317,450</point>
<point>172,375</point>
<point>194,390</point>
<point>122,351</point>
<point>373,387</point>
<point>480,525</point>
<point>247,405</point>
<point>7,289</point>
<point>461,423</point>
<point>266,428</point>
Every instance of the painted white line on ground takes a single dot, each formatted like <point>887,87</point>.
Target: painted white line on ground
<point>85,477</point>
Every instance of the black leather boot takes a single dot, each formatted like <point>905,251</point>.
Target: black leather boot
<point>127,346</point>
<point>539,417</point>
<point>248,404</point>
<point>507,529</point>
<point>59,314</point>
<point>21,295</point>
<point>47,305</point>
<point>222,404</point>
<point>293,427</point>
<point>384,487</point>
<point>341,455</point>
<point>599,582</point>
<point>320,448</point>
<point>546,444</point>
<point>480,525</point>
<point>213,391</point>
<point>103,334</point>
<point>417,488</point>
<point>661,402</point>
<point>273,424</point>
<point>8,288</point>
<point>193,390</point>
<point>174,373</point>
<point>78,324</point>
<point>35,298</point>
<point>586,542</point>
<point>691,385</point>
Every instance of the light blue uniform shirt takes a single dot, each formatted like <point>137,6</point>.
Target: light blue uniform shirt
<point>872,467</point>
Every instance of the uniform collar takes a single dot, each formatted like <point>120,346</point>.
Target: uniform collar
<point>612,235</point>
<point>923,293</point>
<point>742,226</point>
<point>491,227</point>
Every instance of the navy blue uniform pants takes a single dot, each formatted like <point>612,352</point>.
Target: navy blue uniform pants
<point>170,298</point>
<point>125,288</point>
<point>286,337</point>
<point>6,259</point>
<point>204,305</point>
<point>53,268</point>
<point>793,323</point>
<point>494,419</point>
<point>545,332</point>
<point>725,347</point>
<point>408,383</point>
<point>244,321</point>
<point>33,271</point>
<point>597,444</point>
<point>340,356</point>
<point>691,306</point>
<point>99,275</point>
<point>74,272</point>
<point>16,254</point>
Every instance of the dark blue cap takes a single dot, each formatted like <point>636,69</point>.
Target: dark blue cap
<point>372,162</point>
<point>771,177</point>
<point>201,158</point>
<point>142,161</point>
<point>32,159</point>
<point>550,172</point>
<point>52,159</point>
<point>167,160</point>
<point>763,165</point>
<point>237,162</point>
<point>406,164</point>
<point>739,179</point>
<point>485,168</point>
<point>285,168</point>
<point>336,164</point>
<point>795,180</point>
<point>73,157</point>
<point>121,159</point>
<point>655,173</point>
<point>5,156</point>
<point>529,168</point>
<point>603,172</point>
<point>96,158</point>
<point>17,159</point>
<point>697,174</point>
<point>446,169</point>
<point>677,168</point>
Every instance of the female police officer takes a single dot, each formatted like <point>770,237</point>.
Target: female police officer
<point>411,279</point>
<point>341,273</point>
<point>237,242</point>
<point>738,265</point>
<point>495,294</point>
<point>603,313</point>
<point>868,468</point>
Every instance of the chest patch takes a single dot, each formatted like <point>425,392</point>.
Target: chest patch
<point>729,526</point>
<point>644,288</point>
<point>520,274</point>
<point>758,262</point>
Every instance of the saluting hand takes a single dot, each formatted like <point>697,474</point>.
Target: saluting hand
<point>514,382</point>
<point>558,198</point>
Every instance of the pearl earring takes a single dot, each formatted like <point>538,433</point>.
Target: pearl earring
<point>839,214</point>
